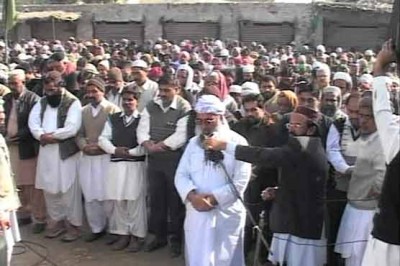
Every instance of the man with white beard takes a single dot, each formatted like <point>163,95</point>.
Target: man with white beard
<point>55,121</point>
<point>215,218</point>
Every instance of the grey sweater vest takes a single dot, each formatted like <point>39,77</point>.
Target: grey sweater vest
<point>163,125</point>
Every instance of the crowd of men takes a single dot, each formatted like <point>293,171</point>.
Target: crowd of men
<point>158,143</point>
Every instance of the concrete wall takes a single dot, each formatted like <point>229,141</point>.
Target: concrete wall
<point>307,19</point>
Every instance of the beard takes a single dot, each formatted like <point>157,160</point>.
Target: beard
<point>329,110</point>
<point>54,100</point>
<point>251,121</point>
<point>267,95</point>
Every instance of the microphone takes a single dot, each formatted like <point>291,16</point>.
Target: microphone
<point>210,155</point>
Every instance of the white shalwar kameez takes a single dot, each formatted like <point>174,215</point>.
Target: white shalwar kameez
<point>213,238</point>
<point>92,174</point>
<point>125,188</point>
<point>57,177</point>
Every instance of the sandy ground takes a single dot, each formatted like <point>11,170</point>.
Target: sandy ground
<point>80,253</point>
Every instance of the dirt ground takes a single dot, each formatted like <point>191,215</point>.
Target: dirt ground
<point>80,253</point>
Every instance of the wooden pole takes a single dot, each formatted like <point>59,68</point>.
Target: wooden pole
<point>54,28</point>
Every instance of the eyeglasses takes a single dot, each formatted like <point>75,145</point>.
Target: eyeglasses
<point>293,125</point>
<point>206,121</point>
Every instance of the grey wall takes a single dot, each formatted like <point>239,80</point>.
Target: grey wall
<point>308,20</point>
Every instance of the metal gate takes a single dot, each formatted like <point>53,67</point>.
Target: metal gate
<point>107,31</point>
<point>358,37</point>
<point>268,33</point>
<point>178,31</point>
<point>53,29</point>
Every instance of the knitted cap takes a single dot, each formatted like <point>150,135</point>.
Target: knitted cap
<point>98,82</point>
<point>115,74</point>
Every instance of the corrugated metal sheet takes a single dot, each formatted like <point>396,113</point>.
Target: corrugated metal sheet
<point>269,33</point>
<point>178,31</point>
<point>360,37</point>
<point>133,31</point>
<point>44,30</point>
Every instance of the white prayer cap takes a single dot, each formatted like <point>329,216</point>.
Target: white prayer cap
<point>140,64</point>
<point>323,68</point>
<point>2,44</point>
<point>275,61</point>
<point>224,53</point>
<point>332,89</point>
<point>210,104</point>
<point>396,80</point>
<point>302,59</point>
<point>339,50</point>
<point>157,46</point>
<point>366,78</point>
<point>248,69</point>
<point>333,54</point>
<point>218,44</point>
<point>369,52</point>
<point>321,48</point>
<point>249,88</point>
<point>105,63</point>
<point>235,89</point>
<point>343,76</point>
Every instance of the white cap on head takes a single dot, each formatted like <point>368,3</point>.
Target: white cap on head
<point>366,78</point>
<point>369,52</point>
<point>332,89</point>
<point>210,104</point>
<point>224,53</point>
<point>321,48</point>
<point>396,80</point>
<point>275,61</point>
<point>333,54</point>
<point>339,50</point>
<point>343,76</point>
<point>248,69</point>
<point>235,89</point>
<point>218,44</point>
<point>140,64</point>
<point>250,88</point>
<point>323,68</point>
<point>105,63</point>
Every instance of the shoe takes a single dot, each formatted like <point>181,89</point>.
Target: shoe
<point>54,232</point>
<point>111,239</point>
<point>94,236</point>
<point>70,237</point>
<point>72,234</point>
<point>175,249</point>
<point>54,229</point>
<point>38,228</point>
<point>24,221</point>
<point>122,243</point>
<point>135,245</point>
<point>152,243</point>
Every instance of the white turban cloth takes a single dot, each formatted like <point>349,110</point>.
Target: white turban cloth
<point>210,104</point>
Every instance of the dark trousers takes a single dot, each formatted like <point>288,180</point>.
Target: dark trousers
<point>335,212</point>
<point>166,209</point>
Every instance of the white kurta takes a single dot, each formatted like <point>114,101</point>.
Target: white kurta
<point>214,237</point>
<point>355,228</point>
<point>124,180</point>
<point>125,187</point>
<point>53,174</point>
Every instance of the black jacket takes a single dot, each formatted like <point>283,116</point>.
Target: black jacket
<point>28,146</point>
<point>299,206</point>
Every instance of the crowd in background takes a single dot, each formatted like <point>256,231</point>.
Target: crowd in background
<point>260,87</point>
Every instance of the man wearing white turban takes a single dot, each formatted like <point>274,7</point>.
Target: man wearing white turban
<point>215,218</point>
